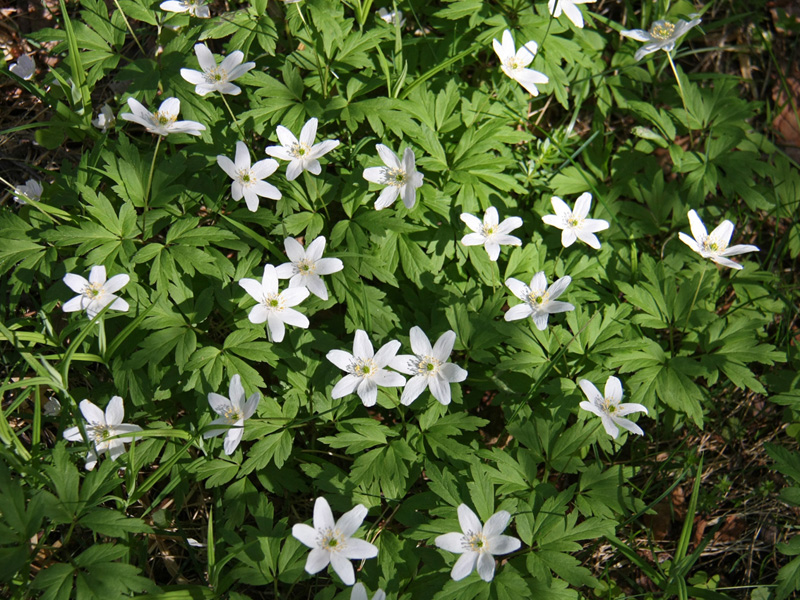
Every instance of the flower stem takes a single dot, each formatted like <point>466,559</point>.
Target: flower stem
<point>697,291</point>
<point>128,25</point>
<point>233,116</point>
<point>323,79</point>
<point>101,337</point>
<point>147,189</point>
<point>683,96</point>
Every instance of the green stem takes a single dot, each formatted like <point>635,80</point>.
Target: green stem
<point>683,97</point>
<point>323,78</point>
<point>697,291</point>
<point>233,116</point>
<point>128,25</point>
<point>101,337</point>
<point>149,185</point>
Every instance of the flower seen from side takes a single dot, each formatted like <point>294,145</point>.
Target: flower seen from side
<point>24,68</point>
<point>401,178</point>
<point>248,180</point>
<point>607,406</point>
<point>216,78</point>
<point>714,245</point>
<point>569,8</point>
<point>52,407</point>
<point>303,154</point>
<point>392,16</point>
<point>96,293</point>
<point>332,542</point>
<point>360,593</point>
<point>30,190</point>
<point>538,301</point>
<point>105,119</point>
<point>429,367</point>
<point>196,8</point>
<point>490,233</point>
<point>273,306</point>
<point>233,412</point>
<point>365,369</point>
<point>101,428</point>
<point>662,36</point>
<point>514,62</point>
<point>307,265</point>
<point>573,223</point>
<point>163,121</point>
<point>478,544</point>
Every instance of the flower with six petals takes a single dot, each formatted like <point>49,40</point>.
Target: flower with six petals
<point>714,245</point>
<point>490,233</point>
<point>216,78</point>
<point>607,406</point>
<point>303,154</point>
<point>333,542</point>
<point>514,62</point>
<point>478,544</point>
<point>247,179</point>
<point>275,307</point>
<point>306,266</point>
<point>538,301</point>
<point>96,293</point>
<point>164,121</point>
<point>101,428</point>
<point>232,413</point>
<point>365,369</point>
<point>574,223</point>
<point>400,178</point>
<point>429,367</point>
<point>662,36</point>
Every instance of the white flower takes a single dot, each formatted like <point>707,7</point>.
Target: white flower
<point>52,407</point>
<point>95,294</point>
<point>307,266</point>
<point>574,223</point>
<point>478,545</point>
<point>31,189</point>
<point>100,428</point>
<point>568,8</point>
<point>333,542</point>
<point>196,8</point>
<point>538,302</point>
<point>232,414</point>
<point>302,153</point>
<point>490,233</point>
<point>365,369</point>
<point>273,306</point>
<point>429,367</point>
<point>24,68</point>
<point>400,179</point>
<point>391,16</point>
<point>360,593</point>
<point>216,78</point>
<point>514,63</point>
<point>247,180</point>
<point>105,119</point>
<point>608,408</point>
<point>714,246</point>
<point>662,36</point>
<point>164,121</point>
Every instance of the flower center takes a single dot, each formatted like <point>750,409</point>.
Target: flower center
<point>164,119</point>
<point>216,75</point>
<point>101,433</point>
<point>488,230</point>
<point>396,177</point>
<point>573,221</point>
<point>662,30</point>
<point>306,267</point>
<point>299,150</point>
<point>273,302</point>
<point>475,542</point>
<point>712,245</point>
<point>609,405</point>
<point>232,415</point>
<point>332,540</point>
<point>513,64</point>
<point>93,291</point>
<point>425,365</point>
<point>245,177</point>
<point>364,367</point>
<point>536,299</point>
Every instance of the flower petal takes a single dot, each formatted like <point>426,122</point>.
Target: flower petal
<point>464,565</point>
<point>452,542</point>
<point>359,549</point>
<point>343,568</point>
<point>115,411</point>
<point>350,521</point>
<point>415,386</point>
<point>468,520</point>
<point>496,524</point>
<point>317,560</point>
<point>323,516</point>
<point>305,534</point>
<point>362,347</point>
<point>345,386</point>
<point>613,389</point>
<point>486,566</point>
<point>92,414</point>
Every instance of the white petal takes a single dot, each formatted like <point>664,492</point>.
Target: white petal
<point>420,343</point>
<point>472,222</point>
<point>368,392</point>
<point>340,358</point>
<point>464,565</point>
<point>343,568</point>
<point>92,414</point>
<point>440,390</point>
<point>519,289</point>
<point>559,287</point>
<point>452,542</point>
<point>305,534</point>
<point>486,566</point>
<point>613,389</point>
<point>504,544</point>
<point>75,282</point>
<point>253,288</point>
<point>317,560</point>
<point>115,411</point>
<point>388,157</point>
<point>520,311</point>
<point>698,229</point>
<point>323,516</point>
<point>496,524</point>
<point>468,520</point>
<point>359,549</point>
<point>414,387</point>
<point>362,347</point>
<point>350,521</point>
<point>346,385</point>
<point>277,329</point>
<point>592,393</point>
<point>233,438</point>
<point>309,132</point>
